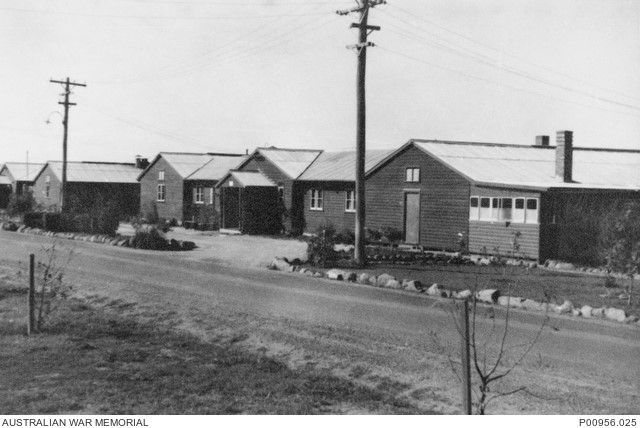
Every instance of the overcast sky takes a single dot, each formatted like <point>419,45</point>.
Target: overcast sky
<point>227,75</point>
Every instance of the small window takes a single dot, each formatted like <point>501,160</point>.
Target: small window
<point>485,208</point>
<point>281,192</point>
<point>532,211</point>
<point>198,195</point>
<point>316,200</point>
<point>518,211</point>
<point>413,175</point>
<point>160,175</point>
<point>495,209</point>
<point>161,192</point>
<point>47,190</point>
<point>211,195</point>
<point>350,203</point>
<point>506,208</point>
<point>48,179</point>
<point>474,205</point>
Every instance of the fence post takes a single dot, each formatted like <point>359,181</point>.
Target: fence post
<point>32,296</point>
<point>466,360</point>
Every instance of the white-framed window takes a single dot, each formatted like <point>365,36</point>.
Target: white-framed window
<point>474,208</point>
<point>495,209</point>
<point>160,175</point>
<point>162,192</point>
<point>532,211</point>
<point>211,195</point>
<point>518,210</point>
<point>350,201</point>
<point>281,192</point>
<point>316,200</point>
<point>412,175</point>
<point>485,209</point>
<point>506,209</point>
<point>47,186</point>
<point>198,195</point>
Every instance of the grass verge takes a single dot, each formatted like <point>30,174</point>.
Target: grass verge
<point>100,357</point>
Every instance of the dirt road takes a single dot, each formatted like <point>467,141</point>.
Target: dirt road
<point>379,337</point>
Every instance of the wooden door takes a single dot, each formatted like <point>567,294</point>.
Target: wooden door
<point>230,207</point>
<point>412,218</point>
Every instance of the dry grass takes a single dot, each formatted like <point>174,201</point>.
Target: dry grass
<point>100,357</point>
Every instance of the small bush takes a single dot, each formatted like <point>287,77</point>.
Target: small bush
<point>346,236</point>
<point>392,234</point>
<point>373,235</point>
<point>21,204</point>
<point>326,231</point>
<point>149,239</point>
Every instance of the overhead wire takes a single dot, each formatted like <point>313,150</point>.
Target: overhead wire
<point>499,51</point>
<point>471,76</point>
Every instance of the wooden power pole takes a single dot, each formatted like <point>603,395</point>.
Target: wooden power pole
<point>65,122</point>
<point>361,48</point>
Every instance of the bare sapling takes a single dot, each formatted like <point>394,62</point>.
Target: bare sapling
<point>51,287</point>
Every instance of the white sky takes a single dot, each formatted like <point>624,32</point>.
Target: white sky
<point>230,75</point>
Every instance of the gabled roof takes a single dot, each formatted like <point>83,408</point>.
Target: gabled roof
<point>22,171</point>
<point>96,172</point>
<point>340,166</point>
<point>185,163</point>
<point>291,162</point>
<point>247,179</point>
<point>217,167</point>
<point>5,180</point>
<point>510,165</point>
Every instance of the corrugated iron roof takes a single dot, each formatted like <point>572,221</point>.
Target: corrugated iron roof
<point>5,180</point>
<point>531,166</point>
<point>250,179</point>
<point>217,167</point>
<point>290,161</point>
<point>97,172</point>
<point>340,166</point>
<point>22,171</point>
<point>186,163</point>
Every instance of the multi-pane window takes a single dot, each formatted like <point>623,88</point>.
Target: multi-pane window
<point>532,211</point>
<point>506,209</point>
<point>161,192</point>
<point>198,195</point>
<point>515,210</point>
<point>518,211</point>
<point>316,200</point>
<point>160,175</point>
<point>474,206</point>
<point>413,175</point>
<point>350,203</point>
<point>47,186</point>
<point>485,208</point>
<point>211,195</point>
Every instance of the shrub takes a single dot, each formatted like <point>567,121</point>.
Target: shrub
<point>21,204</point>
<point>392,234</point>
<point>346,236</point>
<point>149,239</point>
<point>373,235</point>
<point>320,250</point>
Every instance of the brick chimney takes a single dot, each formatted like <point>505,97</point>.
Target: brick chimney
<point>141,163</point>
<point>564,155</point>
<point>542,140</point>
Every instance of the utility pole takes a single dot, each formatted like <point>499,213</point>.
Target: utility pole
<point>361,49</point>
<point>65,122</point>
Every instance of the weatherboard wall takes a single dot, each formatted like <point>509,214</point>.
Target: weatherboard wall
<point>506,238</point>
<point>172,206</point>
<point>444,198</point>
<point>334,202</point>
<point>52,201</point>
<point>258,162</point>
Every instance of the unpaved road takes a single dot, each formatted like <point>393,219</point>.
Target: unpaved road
<point>379,337</point>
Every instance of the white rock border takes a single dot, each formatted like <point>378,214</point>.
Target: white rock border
<point>487,296</point>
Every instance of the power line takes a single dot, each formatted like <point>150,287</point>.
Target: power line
<point>523,74</point>
<point>471,76</point>
<point>171,18</point>
<point>224,58</point>
<point>502,52</point>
